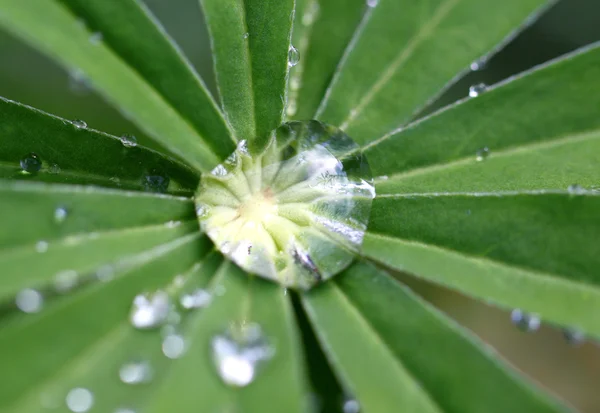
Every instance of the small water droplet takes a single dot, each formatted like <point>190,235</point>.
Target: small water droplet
<point>576,189</point>
<point>31,163</point>
<point>201,210</point>
<point>478,65</point>
<point>173,346</point>
<point>246,35</point>
<point>482,154</point>
<point>238,353</point>
<point>129,141</point>
<point>573,336</point>
<point>372,3</point>
<point>60,215</point>
<point>197,299</point>
<point>41,246</point>
<point>80,400</point>
<point>135,372</point>
<point>54,169</point>
<point>293,56</point>
<point>79,124</point>
<point>105,273</point>
<point>156,181</point>
<point>96,38</point>
<point>150,310</point>
<point>525,322</point>
<point>124,410</point>
<point>116,180</point>
<point>29,300</point>
<point>65,281</point>
<point>351,406</point>
<point>477,89</point>
<point>311,13</point>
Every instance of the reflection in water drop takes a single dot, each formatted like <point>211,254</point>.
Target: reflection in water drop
<point>294,212</point>
<point>80,400</point>
<point>135,372</point>
<point>293,56</point>
<point>239,352</point>
<point>173,346</point>
<point>31,163</point>
<point>150,310</point>
<point>477,89</point>
<point>525,322</point>
<point>29,300</point>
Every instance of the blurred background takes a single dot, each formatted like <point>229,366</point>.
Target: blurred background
<point>570,371</point>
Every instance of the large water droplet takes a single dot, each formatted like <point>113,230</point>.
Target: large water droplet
<point>477,89</point>
<point>173,346</point>
<point>150,310</point>
<point>31,163</point>
<point>197,299</point>
<point>29,301</point>
<point>135,372</point>
<point>129,141</point>
<point>156,181</point>
<point>80,400</point>
<point>293,56</point>
<point>239,352</point>
<point>525,322</point>
<point>294,212</point>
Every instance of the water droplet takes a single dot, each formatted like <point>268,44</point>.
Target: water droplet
<point>574,336</point>
<point>372,3</point>
<point>135,372</point>
<point>80,400</point>
<point>477,89</point>
<point>525,322</point>
<point>172,224</point>
<point>41,246</point>
<point>29,301</point>
<point>54,169</point>
<point>129,141</point>
<point>150,310</point>
<point>60,215</point>
<point>482,154</point>
<point>124,410</point>
<point>156,181</point>
<point>80,124</point>
<point>246,35</point>
<point>31,163</point>
<point>173,346</point>
<point>351,406</point>
<point>239,352</point>
<point>105,273</point>
<point>65,281</point>
<point>478,65</point>
<point>297,212</point>
<point>576,189</point>
<point>293,56</point>
<point>197,299</point>
<point>96,38</point>
<point>78,82</point>
<point>311,14</point>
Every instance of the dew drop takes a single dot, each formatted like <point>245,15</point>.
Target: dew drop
<point>351,406</point>
<point>372,3</point>
<point>201,210</point>
<point>54,169</point>
<point>135,372</point>
<point>65,281</point>
<point>197,299</point>
<point>172,224</point>
<point>156,181</point>
<point>60,215</point>
<point>478,65</point>
<point>477,89</point>
<point>573,336</point>
<point>238,353</point>
<point>482,154</point>
<point>80,400</point>
<point>246,35</point>
<point>150,310</point>
<point>31,163</point>
<point>173,346</point>
<point>29,301</point>
<point>576,189</point>
<point>525,322</point>
<point>80,124</point>
<point>96,38</point>
<point>41,246</point>
<point>293,56</point>
<point>129,141</point>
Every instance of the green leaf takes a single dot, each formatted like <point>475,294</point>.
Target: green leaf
<point>403,53</point>
<point>27,211</point>
<point>553,105</point>
<point>83,330</point>
<point>536,251</point>
<point>322,30</point>
<point>457,372</point>
<point>280,381</point>
<point>250,41</point>
<point>51,27</point>
<point>81,156</point>
<point>132,32</point>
